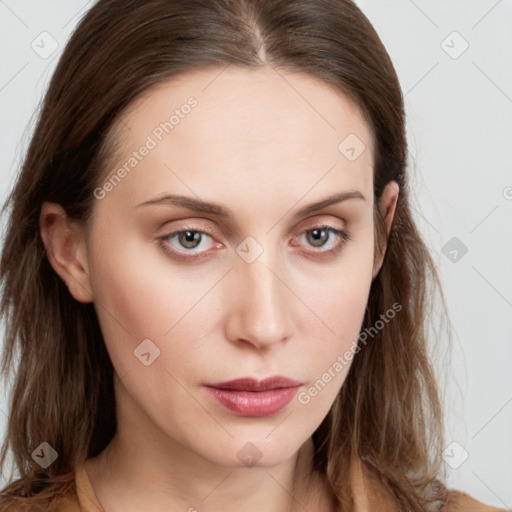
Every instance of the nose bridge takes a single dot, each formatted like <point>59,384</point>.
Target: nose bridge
<point>261,307</point>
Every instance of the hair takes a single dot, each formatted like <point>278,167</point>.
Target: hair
<point>388,411</point>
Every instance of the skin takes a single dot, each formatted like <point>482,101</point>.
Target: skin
<point>263,144</point>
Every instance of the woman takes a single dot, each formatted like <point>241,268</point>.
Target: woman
<point>212,275</point>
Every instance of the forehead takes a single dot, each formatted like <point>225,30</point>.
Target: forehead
<point>252,127</point>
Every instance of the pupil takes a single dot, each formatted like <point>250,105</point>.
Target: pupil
<point>318,235</point>
<point>191,238</point>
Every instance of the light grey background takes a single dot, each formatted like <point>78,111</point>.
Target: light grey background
<point>459,108</point>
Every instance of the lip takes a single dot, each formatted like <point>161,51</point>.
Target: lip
<point>248,396</point>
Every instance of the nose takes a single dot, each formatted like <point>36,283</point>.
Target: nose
<point>260,304</point>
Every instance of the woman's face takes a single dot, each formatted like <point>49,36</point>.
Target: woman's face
<point>257,284</point>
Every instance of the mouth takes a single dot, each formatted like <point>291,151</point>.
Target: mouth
<point>252,397</point>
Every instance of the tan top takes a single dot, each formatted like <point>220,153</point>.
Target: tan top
<point>370,496</point>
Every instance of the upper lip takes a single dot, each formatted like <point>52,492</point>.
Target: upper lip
<point>252,384</point>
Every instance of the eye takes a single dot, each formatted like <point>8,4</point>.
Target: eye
<point>181,244</point>
<point>318,236</point>
<point>188,243</point>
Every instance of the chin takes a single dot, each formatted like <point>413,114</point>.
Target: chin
<point>261,450</point>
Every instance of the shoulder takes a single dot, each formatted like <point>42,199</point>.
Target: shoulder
<point>371,493</point>
<point>458,501</point>
<point>59,497</point>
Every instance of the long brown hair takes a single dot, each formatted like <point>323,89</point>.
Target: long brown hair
<point>387,413</point>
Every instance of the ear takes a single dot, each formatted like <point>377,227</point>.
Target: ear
<point>65,248</point>
<point>387,206</point>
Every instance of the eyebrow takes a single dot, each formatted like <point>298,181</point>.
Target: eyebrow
<point>198,205</point>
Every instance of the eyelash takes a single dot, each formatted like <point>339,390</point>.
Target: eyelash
<point>344,237</point>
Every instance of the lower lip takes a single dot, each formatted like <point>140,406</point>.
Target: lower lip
<point>253,403</point>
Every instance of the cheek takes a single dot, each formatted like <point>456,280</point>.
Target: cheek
<point>343,295</point>
<point>150,324</point>
<point>340,304</point>
<point>135,300</point>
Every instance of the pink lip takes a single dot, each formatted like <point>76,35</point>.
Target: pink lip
<point>251,397</point>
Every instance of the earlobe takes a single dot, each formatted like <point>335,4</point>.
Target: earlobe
<point>65,249</point>
<point>388,204</point>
